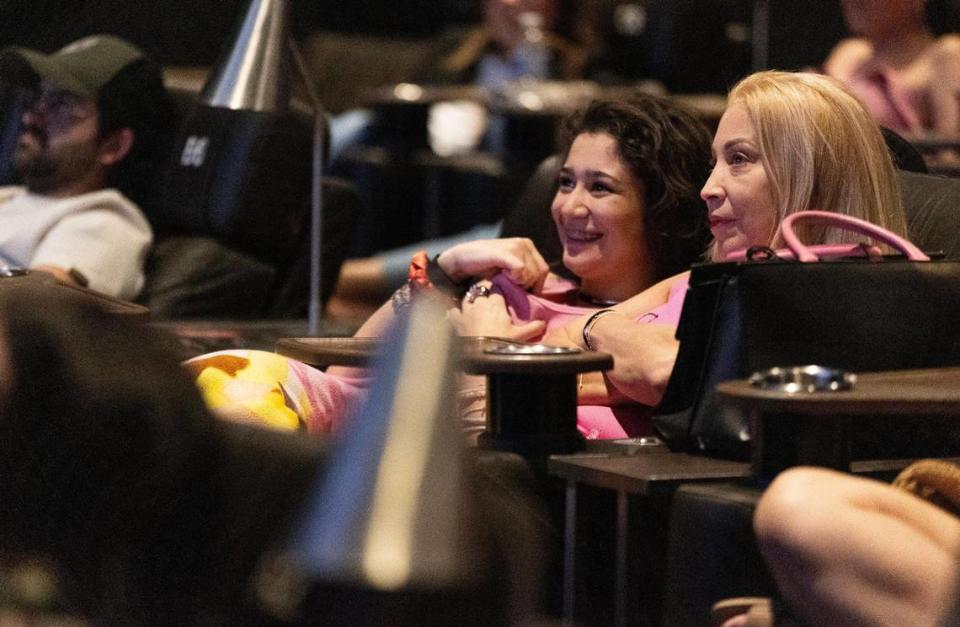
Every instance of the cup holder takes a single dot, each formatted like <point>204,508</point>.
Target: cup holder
<point>530,349</point>
<point>796,379</point>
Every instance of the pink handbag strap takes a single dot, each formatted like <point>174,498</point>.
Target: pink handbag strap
<point>849,223</point>
<point>822,251</point>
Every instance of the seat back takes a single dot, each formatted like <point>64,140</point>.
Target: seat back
<point>932,205</point>
<point>233,216</point>
<point>242,177</point>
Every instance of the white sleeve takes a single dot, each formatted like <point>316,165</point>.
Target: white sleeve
<point>108,246</point>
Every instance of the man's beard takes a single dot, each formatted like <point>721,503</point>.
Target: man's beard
<point>43,173</point>
<point>39,174</point>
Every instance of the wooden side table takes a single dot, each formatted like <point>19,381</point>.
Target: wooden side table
<point>813,428</point>
<point>647,472</point>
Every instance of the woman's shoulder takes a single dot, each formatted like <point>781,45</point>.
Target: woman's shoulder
<point>848,58</point>
<point>944,51</point>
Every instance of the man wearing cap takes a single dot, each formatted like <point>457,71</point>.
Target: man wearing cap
<point>96,126</point>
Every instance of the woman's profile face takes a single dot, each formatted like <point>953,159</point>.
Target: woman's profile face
<point>598,211</point>
<point>738,194</point>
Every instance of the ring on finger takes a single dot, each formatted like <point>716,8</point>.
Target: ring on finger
<point>478,291</point>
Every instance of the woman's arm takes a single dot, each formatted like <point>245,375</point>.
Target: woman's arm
<point>643,354</point>
<point>516,257</point>
<point>650,298</point>
<point>643,358</point>
<point>848,550</point>
<point>375,326</point>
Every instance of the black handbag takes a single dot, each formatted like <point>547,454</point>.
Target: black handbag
<point>856,314</point>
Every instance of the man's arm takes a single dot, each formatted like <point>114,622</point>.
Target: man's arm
<point>70,276</point>
<point>105,246</point>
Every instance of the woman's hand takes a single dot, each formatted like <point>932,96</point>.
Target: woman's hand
<point>487,315</point>
<point>517,257</point>
<point>566,335</point>
<point>643,355</point>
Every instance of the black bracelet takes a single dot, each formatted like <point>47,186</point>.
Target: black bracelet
<point>588,325</point>
<point>442,281</point>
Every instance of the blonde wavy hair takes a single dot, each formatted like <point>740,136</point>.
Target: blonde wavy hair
<point>821,150</point>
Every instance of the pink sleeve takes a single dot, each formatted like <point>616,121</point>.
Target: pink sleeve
<point>324,401</point>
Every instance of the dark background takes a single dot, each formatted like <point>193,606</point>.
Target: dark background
<point>192,32</point>
<point>684,38</point>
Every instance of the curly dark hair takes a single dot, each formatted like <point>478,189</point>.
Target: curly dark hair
<point>666,146</point>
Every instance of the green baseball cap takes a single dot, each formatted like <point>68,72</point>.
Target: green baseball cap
<point>83,67</point>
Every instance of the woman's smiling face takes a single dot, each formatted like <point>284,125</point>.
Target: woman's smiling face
<point>598,211</point>
<point>738,193</point>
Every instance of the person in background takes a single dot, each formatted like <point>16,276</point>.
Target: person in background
<point>490,55</point>
<point>907,77</point>
<point>90,141</point>
<point>493,54</point>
